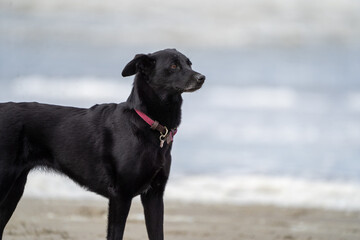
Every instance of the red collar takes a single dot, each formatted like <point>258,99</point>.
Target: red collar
<point>165,134</point>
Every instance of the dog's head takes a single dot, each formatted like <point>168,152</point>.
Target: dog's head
<point>165,70</point>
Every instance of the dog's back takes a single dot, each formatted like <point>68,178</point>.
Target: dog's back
<point>64,139</point>
<point>28,128</point>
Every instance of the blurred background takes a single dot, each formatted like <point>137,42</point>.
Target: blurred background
<point>283,79</point>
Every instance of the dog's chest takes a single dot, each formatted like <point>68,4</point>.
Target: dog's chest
<point>150,176</point>
<point>144,170</point>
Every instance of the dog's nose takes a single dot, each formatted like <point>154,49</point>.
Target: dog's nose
<point>200,78</point>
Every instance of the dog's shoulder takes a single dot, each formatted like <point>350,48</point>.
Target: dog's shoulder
<point>104,109</point>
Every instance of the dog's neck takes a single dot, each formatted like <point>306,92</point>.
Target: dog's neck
<point>165,108</point>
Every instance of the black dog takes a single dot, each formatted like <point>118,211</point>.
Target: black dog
<point>110,149</point>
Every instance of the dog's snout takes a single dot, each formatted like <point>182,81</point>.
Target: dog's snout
<point>200,78</point>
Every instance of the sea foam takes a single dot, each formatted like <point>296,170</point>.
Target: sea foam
<point>230,189</point>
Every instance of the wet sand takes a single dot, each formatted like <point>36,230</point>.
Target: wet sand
<point>79,220</point>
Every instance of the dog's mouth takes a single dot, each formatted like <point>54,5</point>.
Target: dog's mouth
<point>192,88</point>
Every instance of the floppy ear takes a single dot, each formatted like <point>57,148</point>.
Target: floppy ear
<point>141,63</point>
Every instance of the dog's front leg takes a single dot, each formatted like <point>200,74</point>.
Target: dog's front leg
<point>153,204</point>
<point>118,211</point>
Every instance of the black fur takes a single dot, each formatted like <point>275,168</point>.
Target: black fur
<point>108,148</point>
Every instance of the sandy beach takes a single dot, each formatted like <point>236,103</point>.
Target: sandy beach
<point>75,219</point>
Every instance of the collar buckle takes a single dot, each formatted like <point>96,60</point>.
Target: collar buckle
<point>165,134</point>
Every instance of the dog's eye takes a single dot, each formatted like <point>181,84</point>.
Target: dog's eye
<point>173,66</point>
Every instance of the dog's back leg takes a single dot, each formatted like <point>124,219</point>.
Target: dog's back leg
<point>10,201</point>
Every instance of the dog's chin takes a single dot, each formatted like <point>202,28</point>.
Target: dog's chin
<point>192,88</point>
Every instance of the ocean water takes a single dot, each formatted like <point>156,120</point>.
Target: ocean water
<point>277,121</point>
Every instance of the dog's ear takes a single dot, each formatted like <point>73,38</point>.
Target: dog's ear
<point>141,63</point>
